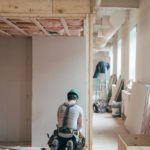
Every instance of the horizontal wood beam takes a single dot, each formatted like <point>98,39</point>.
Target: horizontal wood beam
<point>120,3</point>
<point>5,33</point>
<point>13,25</point>
<point>71,6</point>
<point>64,23</point>
<point>39,26</point>
<point>40,8</point>
<point>26,6</point>
<point>40,15</point>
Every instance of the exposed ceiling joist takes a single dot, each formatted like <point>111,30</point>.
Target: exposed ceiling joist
<point>64,23</point>
<point>13,25</point>
<point>39,26</point>
<point>5,33</point>
<point>120,3</point>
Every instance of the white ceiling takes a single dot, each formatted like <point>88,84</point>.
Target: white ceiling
<point>107,23</point>
<point>110,16</point>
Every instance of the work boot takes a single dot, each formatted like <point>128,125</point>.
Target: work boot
<point>70,145</point>
<point>55,145</point>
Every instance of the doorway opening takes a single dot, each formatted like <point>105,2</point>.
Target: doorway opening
<point>106,126</point>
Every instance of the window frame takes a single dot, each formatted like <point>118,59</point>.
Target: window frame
<point>119,57</point>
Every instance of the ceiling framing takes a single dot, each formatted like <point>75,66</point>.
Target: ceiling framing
<point>55,17</point>
<point>43,17</point>
<point>41,26</point>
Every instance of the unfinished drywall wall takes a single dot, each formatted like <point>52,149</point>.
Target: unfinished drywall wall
<point>59,64</point>
<point>15,89</point>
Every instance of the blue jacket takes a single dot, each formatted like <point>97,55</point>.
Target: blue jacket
<point>101,67</point>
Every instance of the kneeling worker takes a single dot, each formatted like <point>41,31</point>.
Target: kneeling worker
<point>70,121</point>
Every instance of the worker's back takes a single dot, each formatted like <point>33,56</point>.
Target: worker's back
<point>74,118</point>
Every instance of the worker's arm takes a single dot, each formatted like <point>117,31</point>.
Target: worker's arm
<point>80,120</point>
<point>58,116</point>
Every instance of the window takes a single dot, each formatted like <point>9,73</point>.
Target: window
<point>132,54</point>
<point>119,58</point>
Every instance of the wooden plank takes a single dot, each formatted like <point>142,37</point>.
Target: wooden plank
<point>64,23</point>
<point>88,33</point>
<point>71,6</point>
<point>41,15</point>
<point>51,17</point>
<point>26,6</point>
<point>133,142</point>
<point>13,25</point>
<point>90,79</point>
<point>44,7</point>
<point>5,33</point>
<point>39,26</point>
<point>121,144</point>
<point>87,125</point>
<point>120,3</point>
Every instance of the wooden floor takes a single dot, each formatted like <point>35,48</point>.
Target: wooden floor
<point>106,130</point>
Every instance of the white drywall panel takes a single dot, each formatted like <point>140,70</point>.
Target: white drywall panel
<point>136,108</point>
<point>59,64</point>
<point>15,89</point>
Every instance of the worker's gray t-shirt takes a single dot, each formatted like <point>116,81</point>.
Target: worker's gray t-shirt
<point>75,116</point>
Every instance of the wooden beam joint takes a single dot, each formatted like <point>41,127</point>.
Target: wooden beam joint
<point>37,23</point>
<point>64,23</point>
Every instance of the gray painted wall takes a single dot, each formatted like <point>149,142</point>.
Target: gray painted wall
<point>59,64</point>
<point>15,89</point>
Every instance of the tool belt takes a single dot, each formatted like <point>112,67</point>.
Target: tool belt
<point>65,130</point>
<point>68,131</point>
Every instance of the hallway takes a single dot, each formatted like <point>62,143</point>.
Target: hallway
<point>105,131</point>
